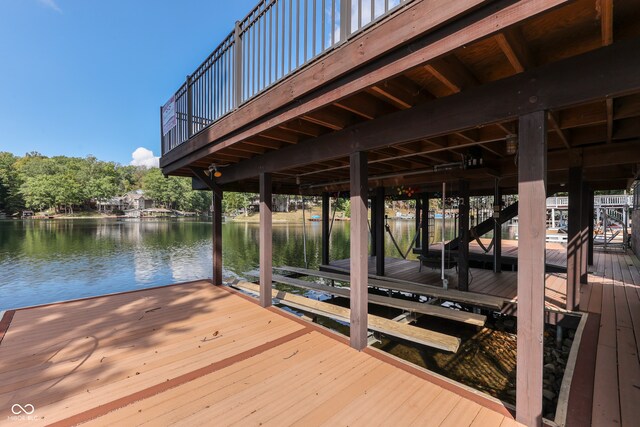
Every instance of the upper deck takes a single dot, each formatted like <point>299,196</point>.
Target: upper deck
<point>422,86</point>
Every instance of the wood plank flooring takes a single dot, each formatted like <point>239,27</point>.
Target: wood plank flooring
<point>196,354</point>
<point>481,281</point>
<point>614,293</point>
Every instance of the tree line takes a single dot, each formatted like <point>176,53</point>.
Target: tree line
<point>64,184</point>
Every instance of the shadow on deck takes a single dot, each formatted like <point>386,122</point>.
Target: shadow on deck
<point>194,352</point>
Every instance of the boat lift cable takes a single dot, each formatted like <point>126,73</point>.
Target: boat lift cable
<point>333,217</point>
<point>404,255</point>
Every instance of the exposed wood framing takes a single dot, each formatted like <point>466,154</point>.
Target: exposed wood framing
<point>532,194</point>
<point>607,71</point>
<point>606,21</point>
<point>475,26</point>
<point>514,47</point>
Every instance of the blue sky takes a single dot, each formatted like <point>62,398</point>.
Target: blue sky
<point>81,77</point>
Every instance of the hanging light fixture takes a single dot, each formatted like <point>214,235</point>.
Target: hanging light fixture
<point>512,144</point>
<point>213,171</point>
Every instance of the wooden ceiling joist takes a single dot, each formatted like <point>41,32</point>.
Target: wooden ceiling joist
<point>514,47</point>
<point>609,71</point>
<point>452,73</point>
<point>554,124</point>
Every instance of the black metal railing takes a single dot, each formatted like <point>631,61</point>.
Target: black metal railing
<point>274,40</point>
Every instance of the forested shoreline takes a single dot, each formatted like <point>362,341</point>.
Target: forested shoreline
<point>63,184</point>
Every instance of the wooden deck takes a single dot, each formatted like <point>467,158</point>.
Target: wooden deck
<point>613,293</point>
<point>192,353</point>
<point>606,386</point>
<point>481,281</point>
<point>556,253</point>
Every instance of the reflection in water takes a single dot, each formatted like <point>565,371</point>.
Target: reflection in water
<point>47,261</point>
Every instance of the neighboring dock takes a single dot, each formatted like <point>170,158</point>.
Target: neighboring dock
<point>193,352</point>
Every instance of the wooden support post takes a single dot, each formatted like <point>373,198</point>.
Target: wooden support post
<point>424,233</point>
<point>266,252</point>
<point>418,213</point>
<point>326,210</point>
<point>379,231</point>
<point>532,193</point>
<point>217,237</point>
<point>590,213</point>
<point>584,233</point>
<point>497,229</point>
<point>463,232</point>
<point>373,228</point>
<point>574,242</point>
<point>359,258</point>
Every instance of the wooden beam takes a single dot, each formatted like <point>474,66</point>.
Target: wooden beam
<point>452,73</point>
<point>216,221</point>
<point>379,230</point>
<point>305,92</point>
<point>515,49</point>
<point>359,272</point>
<point>266,239</point>
<point>609,102</point>
<point>606,21</point>
<point>401,303</point>
<point>380,324</point>
<point>606,71</point>
<point>554,122</point>
<point>532,193</point>
<point>207,181</point>
<point>574,239</point>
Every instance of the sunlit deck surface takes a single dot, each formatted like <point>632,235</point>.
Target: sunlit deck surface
<point>196,354</point>
<point>606,385</point>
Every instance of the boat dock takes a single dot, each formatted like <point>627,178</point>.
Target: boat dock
<point>192,352</point>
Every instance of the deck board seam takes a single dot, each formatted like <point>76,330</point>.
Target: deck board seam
<point>177,381</point>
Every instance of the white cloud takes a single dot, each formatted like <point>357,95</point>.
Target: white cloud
<point>144,157</point>
<point>51,4</point>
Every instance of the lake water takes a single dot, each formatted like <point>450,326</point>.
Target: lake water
<point>43,261</point>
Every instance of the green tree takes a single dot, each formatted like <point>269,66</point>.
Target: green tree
<point>10,197</point>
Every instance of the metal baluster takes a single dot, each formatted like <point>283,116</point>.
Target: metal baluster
<point>314,3</point>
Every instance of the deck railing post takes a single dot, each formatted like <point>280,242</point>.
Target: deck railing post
<point>532,188</point>
<point>345,19</point>
<point>163,148</point>
<point>189,108</point>
<point>237,66</point>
